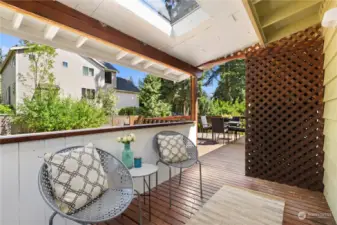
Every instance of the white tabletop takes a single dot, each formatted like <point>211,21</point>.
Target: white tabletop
<point>145,170</point>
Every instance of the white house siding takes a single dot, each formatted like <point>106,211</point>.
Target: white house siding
<point>71,80</point>
<point>127,99</point>
<point>21,202</point>
<point>9,80</point>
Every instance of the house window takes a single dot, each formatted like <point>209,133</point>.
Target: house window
<point>65,64</point>
<point>88,71</point>
<point>88,93</point>
<point>91,72</point>
<point>108,78</point>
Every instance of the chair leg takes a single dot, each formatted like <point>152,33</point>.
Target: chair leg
<point>157,177</point>
<point>181,170</point>
<point>224,137</point>
<point>200,179</point>
<point>170,187</point>
<point>51,218</point>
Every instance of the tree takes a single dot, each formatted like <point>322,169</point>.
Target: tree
<point>231,85</point>
<point>177,95</point>
<point>108,100</point>
<point>1,56</point>
<point>41,59</point>
<point>150,103</point>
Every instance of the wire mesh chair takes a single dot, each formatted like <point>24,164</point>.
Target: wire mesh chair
<point>112,203</point>
<point>192,152</point>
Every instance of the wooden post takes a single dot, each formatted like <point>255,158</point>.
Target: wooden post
<point>194,104</point>
<point>194,99</point>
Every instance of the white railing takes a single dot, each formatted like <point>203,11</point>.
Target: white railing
<point>21,202</point>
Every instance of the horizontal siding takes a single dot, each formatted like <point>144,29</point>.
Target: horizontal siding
<point>330,113</point>
<point>330,89</point>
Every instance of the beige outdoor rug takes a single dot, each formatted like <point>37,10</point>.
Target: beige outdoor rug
<point>240,206</point>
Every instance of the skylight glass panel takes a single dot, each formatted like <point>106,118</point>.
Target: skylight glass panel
<point>172,10</point>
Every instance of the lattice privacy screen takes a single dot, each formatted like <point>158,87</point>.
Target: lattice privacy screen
<point>284,99</point>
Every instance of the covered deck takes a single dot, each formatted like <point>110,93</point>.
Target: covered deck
<point>223,166</point>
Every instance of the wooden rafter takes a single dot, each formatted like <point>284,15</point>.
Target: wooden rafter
<point>236,55</point>
<point>57,14</point>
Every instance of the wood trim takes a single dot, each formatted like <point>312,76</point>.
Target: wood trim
<point>71,133</point>
<point>222,60</point>
<point>194,99</point>
<point>254,21</point>
<point>60,15</point>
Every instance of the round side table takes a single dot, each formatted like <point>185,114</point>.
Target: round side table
<point>145,171</point>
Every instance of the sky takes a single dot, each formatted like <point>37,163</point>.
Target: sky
<point>7,41</point>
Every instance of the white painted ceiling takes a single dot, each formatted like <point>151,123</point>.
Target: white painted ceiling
<point>227,30</point>
<point>39,31</point>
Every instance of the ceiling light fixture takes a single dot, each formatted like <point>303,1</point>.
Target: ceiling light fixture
<point>330,18</point>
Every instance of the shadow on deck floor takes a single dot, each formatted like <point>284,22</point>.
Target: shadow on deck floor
<point>224,165</point>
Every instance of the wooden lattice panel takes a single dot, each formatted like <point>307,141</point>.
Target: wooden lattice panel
<point>284,97</point>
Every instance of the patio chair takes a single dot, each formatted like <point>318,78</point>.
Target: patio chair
<point>204,126</point>
<point>112,203</point>
<point>219,127</point>
<point>193,159</point>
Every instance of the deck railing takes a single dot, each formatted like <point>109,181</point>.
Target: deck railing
<point>167,119</point>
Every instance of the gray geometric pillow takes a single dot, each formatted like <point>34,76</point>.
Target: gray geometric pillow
<point>172,148</point>
<point>77,177</point>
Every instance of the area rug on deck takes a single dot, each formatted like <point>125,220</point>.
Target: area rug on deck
<point>240,206</point>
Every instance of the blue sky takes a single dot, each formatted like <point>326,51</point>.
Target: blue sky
<point>6,42</point>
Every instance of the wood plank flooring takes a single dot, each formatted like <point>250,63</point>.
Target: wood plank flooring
<point>223,166</point>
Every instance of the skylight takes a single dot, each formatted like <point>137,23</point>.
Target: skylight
<point>172,10</point>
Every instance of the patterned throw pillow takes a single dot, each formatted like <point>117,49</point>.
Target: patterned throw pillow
<point>172,148</point>
<point>77,177</point>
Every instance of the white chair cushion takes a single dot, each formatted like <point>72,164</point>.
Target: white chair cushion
<point>172,148</point>
<point>77,177</point>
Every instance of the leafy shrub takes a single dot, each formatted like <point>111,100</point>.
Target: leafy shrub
<point>217,107</point>
<point>5,109</point>
<point>108,100</point>
<point>129,111</point>
<point>47,111</point>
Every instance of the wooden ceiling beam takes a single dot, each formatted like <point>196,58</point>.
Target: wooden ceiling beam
<point>255,22</point>
<point>80,41</point>
<point>67,18</point>
<point>50,32</point>
<point>287,11</point>
<point>17,20</point>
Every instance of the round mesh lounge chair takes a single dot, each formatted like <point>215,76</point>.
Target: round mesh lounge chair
<point>112,203</point>
<point>193,158</point>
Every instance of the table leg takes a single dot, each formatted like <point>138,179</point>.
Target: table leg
<point>150,197</point>
<point>144,190</point>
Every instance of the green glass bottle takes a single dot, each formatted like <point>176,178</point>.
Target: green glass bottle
<point>127,156</point>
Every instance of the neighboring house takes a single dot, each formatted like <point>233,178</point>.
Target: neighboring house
<point>75,75</point>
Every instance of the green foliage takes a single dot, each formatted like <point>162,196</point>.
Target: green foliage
<point>217,107</point>
<point>178,95</point>
<point>129,111</point>
<point>5,109</point>
<point>47,111</point>
<point>1,56</point>
<point>108,100</point>
<point>41,58</point>
<point>151,104</point>
<point>231,85</point>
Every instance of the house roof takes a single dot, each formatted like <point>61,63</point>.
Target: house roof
<point>126,85</point>
<point>109,66</point>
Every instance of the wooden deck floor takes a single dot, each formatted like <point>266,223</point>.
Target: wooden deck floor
<point>223,166</point>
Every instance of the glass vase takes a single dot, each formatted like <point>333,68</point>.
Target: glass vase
<point>127,156</point>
